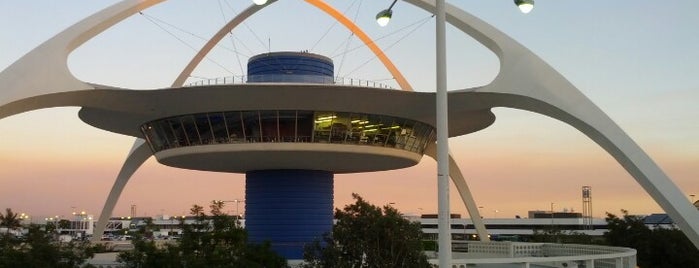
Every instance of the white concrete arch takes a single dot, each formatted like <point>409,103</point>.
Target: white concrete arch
<point>140,152</point>
<point>464,192</point>
<point>51,84</point>
<point>44,70</point>
<point>527,82</point>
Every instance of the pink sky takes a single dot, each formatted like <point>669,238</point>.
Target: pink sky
<point>47,175</point>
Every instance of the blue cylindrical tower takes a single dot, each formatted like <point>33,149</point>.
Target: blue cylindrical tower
<point>292,67</point>
<point>289,208</point>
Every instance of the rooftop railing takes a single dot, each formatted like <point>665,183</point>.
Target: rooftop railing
<point>539,255</point>
<point>289,78</point>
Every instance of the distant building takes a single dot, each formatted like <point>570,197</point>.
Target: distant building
<point>539,214</point>
<point>514,228</point>
<point>659,220</point>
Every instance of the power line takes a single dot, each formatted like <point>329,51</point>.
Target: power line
<point>230,34</point>
<point>424,21</point>
<point>349,41</point>
<point>249,29</point>
<point>183,42</point>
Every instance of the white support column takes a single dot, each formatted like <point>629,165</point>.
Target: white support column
<point>589,263</point>
<point>462,187</point>
<point>140,152</point>
<point>444,213</point>
<point>619,262</point>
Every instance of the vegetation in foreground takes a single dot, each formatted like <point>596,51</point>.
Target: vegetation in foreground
<point>656,248</point>
<point>366,235</point>
<point>39,248</point>
<point>215,240</point>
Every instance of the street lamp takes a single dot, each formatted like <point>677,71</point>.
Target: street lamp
<point>384,16</point>
<point>442,128</point>
<point>525,5</point>
<point>552,203</point>
<point>259,2</point>
<point>442,120</point>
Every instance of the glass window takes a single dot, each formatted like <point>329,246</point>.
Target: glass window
<point>406,138</point>
<point>304,126</point>
<point>339,128</point>
<point>204,128</point>
<point>218,127</point>
<point>190,129</point>
<point>235,127</point>
<point>251,126</point>
<point>180,139</point>
<point>371,129</point>
<point>287,126</point>
<point>269,126</point>
<point>323,125</point>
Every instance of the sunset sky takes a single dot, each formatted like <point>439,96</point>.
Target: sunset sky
<point>637,60</point>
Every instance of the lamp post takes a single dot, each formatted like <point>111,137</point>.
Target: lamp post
<point>442,126</point>
<point>525,5</point>
<point>552,203</point>
<point>237,201</point>
<point>237,213</point>
<point>384,16</point>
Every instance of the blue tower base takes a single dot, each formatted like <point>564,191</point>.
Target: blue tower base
<point>288,208</point>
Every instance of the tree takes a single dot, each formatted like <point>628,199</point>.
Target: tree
<point>42,249</point>
<point>9,220</point>
<point>655,247</point>
<point>215,240</point>
<point>64,224</point>
<point>554,234</point>
<point>628,231</point>
<point>368,236</point>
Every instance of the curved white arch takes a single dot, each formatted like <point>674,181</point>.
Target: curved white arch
<point>194,62</point>
<point>140,152</point>
<point>462,187</point>
<point>47,63</point>
<point>56,86</point>
<point>527,82</point>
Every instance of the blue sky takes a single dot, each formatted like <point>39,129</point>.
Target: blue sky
<point>637,60</point>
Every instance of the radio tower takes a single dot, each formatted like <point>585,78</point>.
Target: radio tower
<point>587,207</point>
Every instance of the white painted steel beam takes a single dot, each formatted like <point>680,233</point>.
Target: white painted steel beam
<point>140,152</point>
<point>462,187</point>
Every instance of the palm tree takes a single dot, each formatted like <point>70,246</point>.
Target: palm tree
<point>9,220</point>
